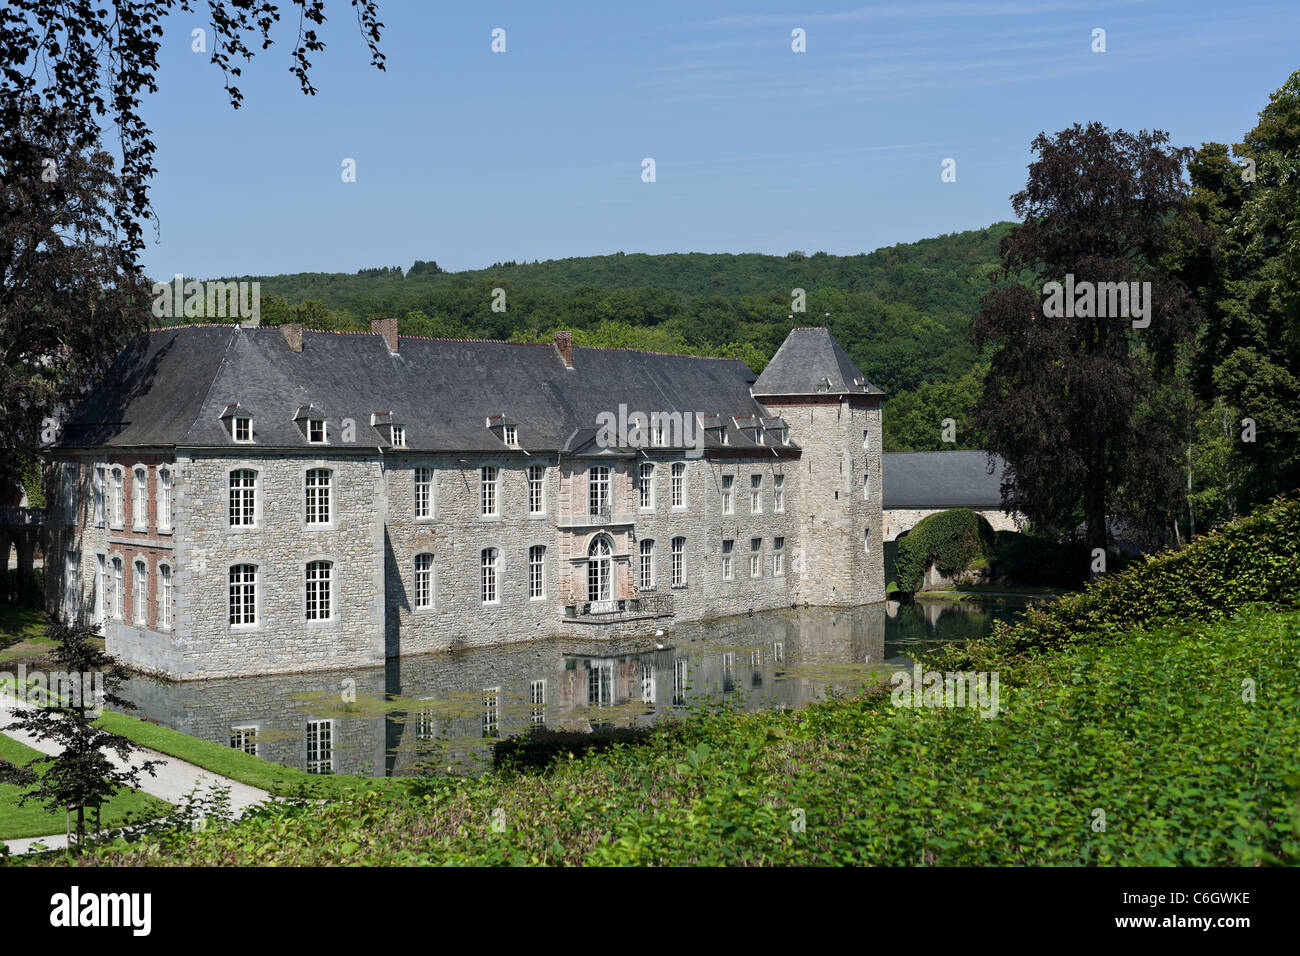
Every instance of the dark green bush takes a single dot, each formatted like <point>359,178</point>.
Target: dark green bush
<point>541,747</point>
<point>1254,560</point>
<point>1025,559</point>
<point>953,540</point>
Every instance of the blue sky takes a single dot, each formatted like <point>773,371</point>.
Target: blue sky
<point>468,157</point>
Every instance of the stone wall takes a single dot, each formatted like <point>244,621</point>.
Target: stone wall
<point>901,520</point>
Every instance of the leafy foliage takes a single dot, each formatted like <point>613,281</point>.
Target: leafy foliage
<point>953,540</point>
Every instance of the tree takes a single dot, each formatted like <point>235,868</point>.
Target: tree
<point>72,75</point>
<point>80,776</point>
<point>1062,401</point>
<point>1249,282</point>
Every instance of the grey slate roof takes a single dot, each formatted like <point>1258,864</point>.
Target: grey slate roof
<point>941,479</point>
<point>811,362</point>
<point>170,387</point>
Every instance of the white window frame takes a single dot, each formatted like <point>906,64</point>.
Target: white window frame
<point>397,436</point>
<point>491,711</point>
<point>489,477</point>
<point>246,734</point>
<point>320,742</point>
<point>140,593</point>
<point>117,479</point>
<point>99,496</point>
<point>510,435</point>
<point>755,557</point>
<point>728,494</point>
<point>778,494</point>
<point>139,498</point>
<point>537,697</point>
<point>424,580</point>
<point>600,484</point>
<point>72,585</point>
<point>646,485</point>
<point>422,503</point>
<point>677,548</point>
<point>118,569</point>
<point>646,569</point>
<point>756,494</point>
<point>166,595</point>
<point>537,572</point>
<point>728,559</point>
<point>490,576</point>
<point>678,477</point>
<point>317,431</point>
<point>318,497</point>
<point>536,490</point>
<point>250,599</point>
<point>248,494</point>
<point>247,427</point>
<point>318,577</point>
<point>165,480</point>
<point>778,557</point>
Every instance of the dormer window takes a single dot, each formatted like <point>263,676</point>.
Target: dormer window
<point>398,436</point>
<point>316,431</point>
<point>242,428</point>
<point>310,420</point>
<point>506,431</point>
<point>785,436</point>
<point>511,436</point>
<point>386,424</point>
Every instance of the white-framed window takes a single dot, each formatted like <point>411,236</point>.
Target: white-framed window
<point>491,711</point>
<point>488,477</point>
<point>72,585</point>
<point>599,570</point>
<point>778,493</point>
<point>317,497</point>
<point>398,435</point>
<point>71,475</point>
<point>119,590</point>
<point>243,498</point>
<point>778,652</point>
<point>491,565</point>
<point>647,683</point>
<point>243,595</point>
<point>598,490</point>
<point>423,581</point>
<point>866,487</point>
<point>511,435</point>
<point>536,489</point>
<point>139,499</point>
<point>317,432</point>
<point>755,494</point>
<point>245,739</point>
<point>242,428</point>
<point>103,591</point>
<point>140,598</point>
<point>678,475</point>
<point>425,724</point>
<point>97,483</point>
<point>165,596</point>
<point>319,604</point>
<point>660,438</point>
<point>118,518</point>
<point>678,562</point>
<point>164,499</point>
<point>755,557</point>
<point>600,683</point>
<point>646,485</point>
<point>537,697</point>
<point>537,571</point>
<point>679,683</point>
<point>423,492</point>
<point>646,580</point>
<point>728,494</point>
<point>728,550</point>
<point>778,557</point>
<point>320,746</point>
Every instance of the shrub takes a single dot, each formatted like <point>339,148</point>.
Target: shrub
<point>1254,560</point>
<point>1027,559</point>
<point>953,540</point>
<point>539,749</point>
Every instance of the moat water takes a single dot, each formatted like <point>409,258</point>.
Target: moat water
<point>446,711</point>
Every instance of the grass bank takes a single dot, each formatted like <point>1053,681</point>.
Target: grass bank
<point>33,819</point>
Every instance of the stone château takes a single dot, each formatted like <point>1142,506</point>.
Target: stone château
<point>235,501</point>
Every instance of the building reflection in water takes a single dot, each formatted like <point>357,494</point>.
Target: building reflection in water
<point>447,710</point>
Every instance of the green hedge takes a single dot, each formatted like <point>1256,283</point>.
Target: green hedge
<point>1254,560</point>
<point>953,540</point>
<point>1025,559</point>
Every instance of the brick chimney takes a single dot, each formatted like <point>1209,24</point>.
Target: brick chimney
<point>388,329</point>
<point>564,345</point>
<point>292,332</point>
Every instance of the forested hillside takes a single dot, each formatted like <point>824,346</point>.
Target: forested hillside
<point>901,312</point>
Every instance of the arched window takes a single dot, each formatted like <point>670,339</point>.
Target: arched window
<point>320,584</point>
<point>491,564</point>
<point>318,495</point>
<point>164,596</point>
<point>141,600</point>
<point>164,499</point>
<point>243,594</point>
<point>139,489</point>
<point>598,568</point>
<point>423,581</point>
<point>243,498</point>
<point>119,507</point>
<point>119,598</point>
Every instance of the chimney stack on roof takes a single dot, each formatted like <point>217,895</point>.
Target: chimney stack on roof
<point>292,332</point>
<point>388,329</point>
<point>564,345</point>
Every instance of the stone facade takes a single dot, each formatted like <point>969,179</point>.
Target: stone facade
<point>898,521</point>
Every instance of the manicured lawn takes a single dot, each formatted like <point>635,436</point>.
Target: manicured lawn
<point>233,763</point>
<point>33,820</point>
<point>22,632</point>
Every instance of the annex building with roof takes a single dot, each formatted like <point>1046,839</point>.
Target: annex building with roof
<point>234,501</point>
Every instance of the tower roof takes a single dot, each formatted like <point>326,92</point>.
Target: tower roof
<point>811,362</point>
